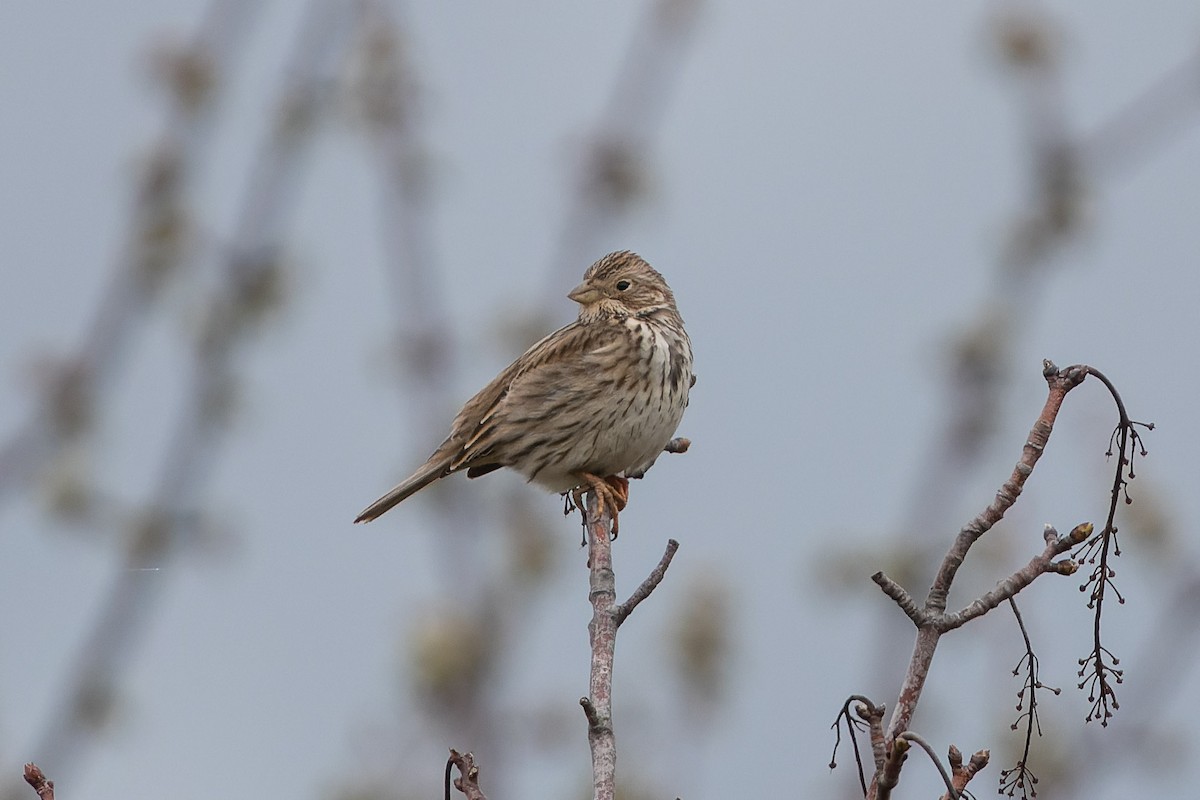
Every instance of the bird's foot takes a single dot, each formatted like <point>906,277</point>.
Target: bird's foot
<point>612,495</point>
<point>620,490</point>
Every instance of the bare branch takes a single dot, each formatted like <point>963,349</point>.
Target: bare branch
<point>602,633</point>
<point>873,715</point>
<point>467,781</point>
<point>961,774</point>
<point>932,620</point>
<point>887,778</point>
<point>903,599</point>
<point>1098,669</point>
<point>1060,382</point>
<point>607,616</point>
<point>679,444</point>
<point>870,716</point>
<point>649,585</point>
<point>1020,776</point>
<point>937,762</point>
<point>38,780</point>
<point>1009,587</point>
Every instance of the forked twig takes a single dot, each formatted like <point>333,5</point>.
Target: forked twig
<point>932,620</point>
<point>607,616</point>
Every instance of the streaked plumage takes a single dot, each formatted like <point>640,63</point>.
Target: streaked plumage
<point>600,397</point>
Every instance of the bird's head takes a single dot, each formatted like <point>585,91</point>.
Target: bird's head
<point>619,285</point>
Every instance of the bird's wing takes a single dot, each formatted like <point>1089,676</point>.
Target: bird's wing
<point>528,392</point>
<point>480,431</point>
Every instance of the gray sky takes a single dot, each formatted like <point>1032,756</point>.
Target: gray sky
<point>831,185</point>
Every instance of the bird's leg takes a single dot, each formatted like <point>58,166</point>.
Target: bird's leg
<point>610,497</point>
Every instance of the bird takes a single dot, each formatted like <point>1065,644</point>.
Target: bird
<point>588,407</point>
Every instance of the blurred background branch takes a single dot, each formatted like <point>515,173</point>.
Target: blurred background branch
<point>249,285</point>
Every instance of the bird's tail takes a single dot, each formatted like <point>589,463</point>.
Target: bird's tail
<point>427,474</point>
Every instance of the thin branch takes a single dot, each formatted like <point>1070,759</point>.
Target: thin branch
<point>602,634</point>
<point>1008,588</point>
<point>937,762</point>
<point>38,780</point>
<point>607,616</point>
<point>1061,164</point>
<point>467,781</point>
<point>887,778</point>
<point>1063,168</point>
<point>1060,382</point>
<point>871,717</point>
<point>961,774</point>
<point>680,444</point>
<point>647,586</point>
<point>1098,669</point>
<point>1020,776</point>
<point>932,620</point>
<point>675,446</point>
<point>903,599</point>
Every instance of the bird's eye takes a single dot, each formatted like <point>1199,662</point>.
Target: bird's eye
<point>622,285</point>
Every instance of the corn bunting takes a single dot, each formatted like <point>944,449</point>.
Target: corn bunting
<point>587,407</point>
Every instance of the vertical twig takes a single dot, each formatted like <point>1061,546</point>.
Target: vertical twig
<point>607,617</point>
<point>602,635</point>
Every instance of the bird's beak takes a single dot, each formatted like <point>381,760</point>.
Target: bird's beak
<point>584,294</point>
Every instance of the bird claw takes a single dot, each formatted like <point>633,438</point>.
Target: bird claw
<point>612,495</point>
<point>620,488</point>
